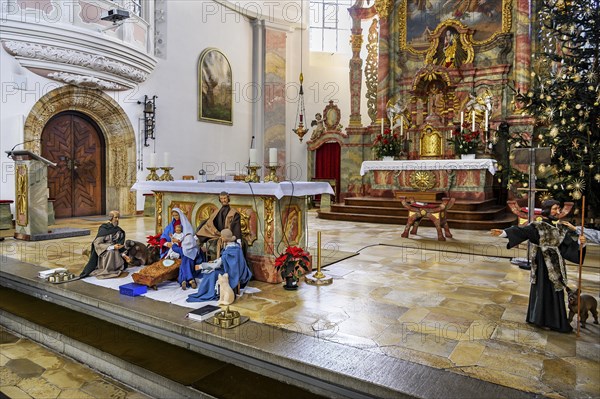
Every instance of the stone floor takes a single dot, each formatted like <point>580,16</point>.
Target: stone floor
<point>28,370</point>
<point>441,308</point>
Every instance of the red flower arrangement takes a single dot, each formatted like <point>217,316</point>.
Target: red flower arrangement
<point>294,262</point>
<point>465,141</point>
<point>387,144</point>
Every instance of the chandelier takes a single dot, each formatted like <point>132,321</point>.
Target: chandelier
<point>300,130</point>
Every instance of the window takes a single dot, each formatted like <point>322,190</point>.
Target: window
<point>330,25</point>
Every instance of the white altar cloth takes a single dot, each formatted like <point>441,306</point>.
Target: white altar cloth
<point>430,164</point>
<point>279,190</point>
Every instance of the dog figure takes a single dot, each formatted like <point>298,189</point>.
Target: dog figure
<point>587,304</point>
<point>137,254</point>
<point>226,295</point>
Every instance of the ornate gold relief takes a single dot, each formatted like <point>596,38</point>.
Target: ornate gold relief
<point>248,222</point>
<point>422,180</point>
<point>431,142</point>
<point>292,225</point>
<point>158,197</point>
<point>356,42</point>
<point>22,204</point>
<point>204,213</point>
<point>384,7</point>
<point>371,67</point>
<point>268,216</point>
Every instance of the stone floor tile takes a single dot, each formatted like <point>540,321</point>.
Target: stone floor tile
<point>14,392</point>
<point>38,387</point>
<point>3,359</point>
<point>103,389</point>
<point>25,368</point>
<point>63,379</point>
<point>6,337</point>
<point>48,360</point>
<point>520,382</point>
<point>560,375</point>
<point>467,353</point>
<point>8,377</point>
<point>521,335</point>
<point>74,394</point>
<point>414,315</point>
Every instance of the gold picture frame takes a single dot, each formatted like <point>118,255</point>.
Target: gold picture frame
<point>215,87</point>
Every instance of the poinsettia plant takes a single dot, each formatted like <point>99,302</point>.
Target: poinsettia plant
<point>465,140</point>
<point>294,262</point>
<point>387,144</point>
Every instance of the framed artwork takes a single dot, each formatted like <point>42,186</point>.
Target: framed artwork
<point>215,88</point>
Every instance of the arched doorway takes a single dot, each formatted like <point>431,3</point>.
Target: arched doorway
<point>119,165</point>
<point>75,143</point>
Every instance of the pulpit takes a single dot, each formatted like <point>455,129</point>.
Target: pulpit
<point>31,192</point>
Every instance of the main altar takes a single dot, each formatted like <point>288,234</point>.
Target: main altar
<point>273,215</point>
<point>457,178</point>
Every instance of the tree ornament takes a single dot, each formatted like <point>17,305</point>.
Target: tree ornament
<point>567,167</point>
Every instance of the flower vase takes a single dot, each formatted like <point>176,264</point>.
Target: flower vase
<point>290,284</point>
<point>387,158</point>
<point>467,156</point>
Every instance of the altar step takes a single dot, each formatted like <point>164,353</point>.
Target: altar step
<point>473,215</point>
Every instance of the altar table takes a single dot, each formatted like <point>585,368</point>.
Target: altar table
<point>469,179</point>
<point>273,215</point>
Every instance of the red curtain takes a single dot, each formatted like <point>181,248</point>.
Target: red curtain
<point>327,163</point>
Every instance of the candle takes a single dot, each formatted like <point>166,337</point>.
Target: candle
<point>273,156</point>
<point>167,160</point>
<point>473,123</point>
<point>152,160</point>
<point>462,119</point>
<point>486,120</point>
<point>253,156</point>
<point>401,126</point>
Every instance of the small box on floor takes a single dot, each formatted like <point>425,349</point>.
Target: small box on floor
<point>132,289</point>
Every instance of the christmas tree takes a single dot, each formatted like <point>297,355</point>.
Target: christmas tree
<point>564,99</point>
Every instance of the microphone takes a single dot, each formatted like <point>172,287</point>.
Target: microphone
<point>18,144</point>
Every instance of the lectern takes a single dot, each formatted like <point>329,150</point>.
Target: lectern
<point>31,194</point>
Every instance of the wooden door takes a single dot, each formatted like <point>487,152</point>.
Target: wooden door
<point>75,143</point>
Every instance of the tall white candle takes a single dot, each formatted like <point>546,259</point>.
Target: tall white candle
<point>473,122</point>
<point>462,119</point>
<point>486,119</point>
<point>272,156</point>
<point>253,156</point>
<point>167,160</point>
<point>401,126</point>
<point>152,160</point>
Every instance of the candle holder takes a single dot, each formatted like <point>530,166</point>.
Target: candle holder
<point>166,176</point>
<point>252,175</point>
<point>318,278</point>
<point>152,176</point>
<point>487,145</point>
<point>272,176</point>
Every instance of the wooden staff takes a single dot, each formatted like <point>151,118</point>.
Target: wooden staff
<point>580,266</point>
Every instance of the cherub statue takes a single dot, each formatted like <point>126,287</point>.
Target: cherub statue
<point>395,109</point>
<point>319,129</point>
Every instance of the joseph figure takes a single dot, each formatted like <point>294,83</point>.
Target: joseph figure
<point>106,258</point>
<point>224,218</point>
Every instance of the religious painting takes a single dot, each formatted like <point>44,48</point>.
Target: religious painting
<point>486,18</point>
<point>292,225</point>
<point>215,91</point>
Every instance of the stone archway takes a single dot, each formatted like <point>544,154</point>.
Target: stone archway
<point>115,126</point>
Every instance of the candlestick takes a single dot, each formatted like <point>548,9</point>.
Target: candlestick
<point>318,277</point>
<point>252,175</point>
<point>166,176</point>
<point>473,123</point>
<point>462,119</point>
<point>401,126</point>
<point>273,157</point>
<point>152,176</point>
<point>272,176</point>
<point>253,156</point>
<point>167,159</point>
<point>152,160</point>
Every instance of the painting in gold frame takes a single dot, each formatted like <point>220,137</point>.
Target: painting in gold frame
<point>215,87</point>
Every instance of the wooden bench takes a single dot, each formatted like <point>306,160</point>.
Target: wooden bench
<point>437,213</point>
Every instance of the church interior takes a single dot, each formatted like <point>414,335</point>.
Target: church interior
<point>375,231</point>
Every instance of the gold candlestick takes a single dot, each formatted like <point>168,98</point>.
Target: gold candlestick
<point>318,278</point>
<point>252,175</point>
<point>152,176</point>
<point>166,176</point>
<point>272,176</point>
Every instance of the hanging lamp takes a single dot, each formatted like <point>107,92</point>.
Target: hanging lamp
<point>301,111</point>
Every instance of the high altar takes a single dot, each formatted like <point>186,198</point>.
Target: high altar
<point>428,67</point>
<point>273,215</point>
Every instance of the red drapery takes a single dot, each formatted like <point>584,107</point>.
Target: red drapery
<point>327,163</point>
